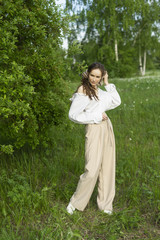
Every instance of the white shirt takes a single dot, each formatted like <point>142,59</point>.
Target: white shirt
<point>83,110</point>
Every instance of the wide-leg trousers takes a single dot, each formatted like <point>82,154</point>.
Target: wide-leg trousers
<point>99,164</point>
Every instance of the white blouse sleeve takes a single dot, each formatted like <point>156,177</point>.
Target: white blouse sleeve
<point>113,99</point>
<point>77,111</point>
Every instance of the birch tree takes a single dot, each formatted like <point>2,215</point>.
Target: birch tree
<point>146,30</point>
<point>105,24</point>
<point>118,33</point>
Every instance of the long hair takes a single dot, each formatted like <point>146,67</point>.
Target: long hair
<point>89,90</point>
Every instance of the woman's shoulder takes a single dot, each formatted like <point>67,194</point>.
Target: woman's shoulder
<point>81,90</point>
<point>79,94</point>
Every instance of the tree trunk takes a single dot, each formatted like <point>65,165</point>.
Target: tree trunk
<point>144,64</point>
<point>116,50</point>
<point>140,62</point>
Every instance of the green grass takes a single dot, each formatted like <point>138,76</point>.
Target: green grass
<point>35,186</point>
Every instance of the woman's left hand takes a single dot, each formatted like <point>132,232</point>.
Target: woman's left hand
<point>104,116</point>
<point>105,78</point>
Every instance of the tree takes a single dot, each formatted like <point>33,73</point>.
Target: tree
<point>32,66</point>
<point>111,30</point>
<point>146,31</point>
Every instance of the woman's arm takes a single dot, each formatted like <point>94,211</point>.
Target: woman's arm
<point>113,99</point>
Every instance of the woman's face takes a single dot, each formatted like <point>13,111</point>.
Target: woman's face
<point>94,77</point>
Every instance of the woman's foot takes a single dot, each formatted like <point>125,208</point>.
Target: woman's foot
<point>70,208</point>
<point>109,212</point>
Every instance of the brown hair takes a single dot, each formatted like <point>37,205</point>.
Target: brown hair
<point>87,87</point>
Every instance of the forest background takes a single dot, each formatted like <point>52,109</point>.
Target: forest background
<point>41,151</point>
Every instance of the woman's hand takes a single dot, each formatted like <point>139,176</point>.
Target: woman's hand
<point>105,78</point>
<point>104,116</point>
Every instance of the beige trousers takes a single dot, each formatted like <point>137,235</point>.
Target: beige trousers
<point>99,164</point>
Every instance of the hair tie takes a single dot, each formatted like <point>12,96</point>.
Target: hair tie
<point>85,74</point>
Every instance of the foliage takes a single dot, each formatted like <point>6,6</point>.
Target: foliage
<point>131,27</point>
<point>33,92</point>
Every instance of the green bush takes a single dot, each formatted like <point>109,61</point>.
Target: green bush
<point>33,93</point>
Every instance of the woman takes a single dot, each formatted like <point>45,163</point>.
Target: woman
<point>88,107</point>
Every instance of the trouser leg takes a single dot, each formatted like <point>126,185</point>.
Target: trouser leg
<point>93,157</point>
<point>106,183</point>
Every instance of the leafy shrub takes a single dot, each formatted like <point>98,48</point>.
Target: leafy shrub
<point>33,92</point>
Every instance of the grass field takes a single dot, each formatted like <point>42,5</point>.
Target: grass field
<point>35,186</point>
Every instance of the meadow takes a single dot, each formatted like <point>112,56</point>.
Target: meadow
<point>36,185</point>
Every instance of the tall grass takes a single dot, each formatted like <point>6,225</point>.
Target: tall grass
<point>35,186</point>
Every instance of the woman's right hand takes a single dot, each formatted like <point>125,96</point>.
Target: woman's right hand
<point>104,116</point>
<point>105,78</point>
